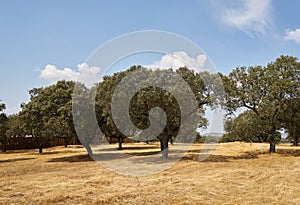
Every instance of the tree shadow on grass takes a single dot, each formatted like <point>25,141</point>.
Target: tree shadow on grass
<point>17,159</point>
<point>220,158</point>
<point>192,155</point>
<point>54,152</point>
<point>74,158</point>
<point>127,148</point>
<point>289,152</point>
<point>107,156</point>
<point>144,153</point>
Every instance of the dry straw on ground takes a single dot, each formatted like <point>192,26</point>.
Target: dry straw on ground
<point>235,173</point>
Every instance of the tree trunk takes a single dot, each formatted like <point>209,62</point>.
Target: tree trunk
<point>110,140</point>
<point>120,143</point>
<point>66,142</point>
<point>272,135</point>
<point>164,148</point>
<point>3,146</point>
<point>295,141</point>
<point>272,146</point>
<point>40,148</point>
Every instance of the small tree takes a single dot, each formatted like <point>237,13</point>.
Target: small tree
<point>248,127</point>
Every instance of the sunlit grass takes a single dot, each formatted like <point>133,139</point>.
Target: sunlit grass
<point>235,173</point>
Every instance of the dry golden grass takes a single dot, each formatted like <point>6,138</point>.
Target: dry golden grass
<point>235,173</point>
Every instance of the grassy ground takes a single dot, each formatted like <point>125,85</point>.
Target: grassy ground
<point>235,173</point>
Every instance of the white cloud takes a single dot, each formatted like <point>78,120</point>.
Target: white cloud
<point>91,74</point>
<point>53,74</point>
<point>293,35</point>
<point>88,75</point>
<point>85,74</point>
<point>251,16</point>
<point>179,59</point>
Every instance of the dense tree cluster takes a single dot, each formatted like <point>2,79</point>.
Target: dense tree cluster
<point>154,96</point>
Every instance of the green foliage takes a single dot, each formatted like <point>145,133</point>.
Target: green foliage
<point>154,96</point>
<point>3,127</point>
<point>247,127</point>
<point>84,114</point>
<point>208,139</point>
<point>2,106</point>
<point>103,100</point>
<point>3,124</point>
<point>290,119</point>
<point>228,138</point>
<point>266,91</point>
<point>15,126</point>
<point>48,114</point>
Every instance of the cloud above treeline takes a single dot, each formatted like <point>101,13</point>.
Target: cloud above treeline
<point>52,74</point>
<point>180,59</point>
<point>91,74</point>
<point>84,73</point>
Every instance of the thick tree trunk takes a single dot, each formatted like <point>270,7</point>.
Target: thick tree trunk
<point>120,143</point>
<point>110,140</point>
<point>40,148</point>
<point>164,148</point>
<point>272,146</point>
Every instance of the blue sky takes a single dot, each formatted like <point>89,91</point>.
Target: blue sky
<point>62,34</point>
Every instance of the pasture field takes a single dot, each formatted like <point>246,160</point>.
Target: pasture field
<point>235,173</point>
